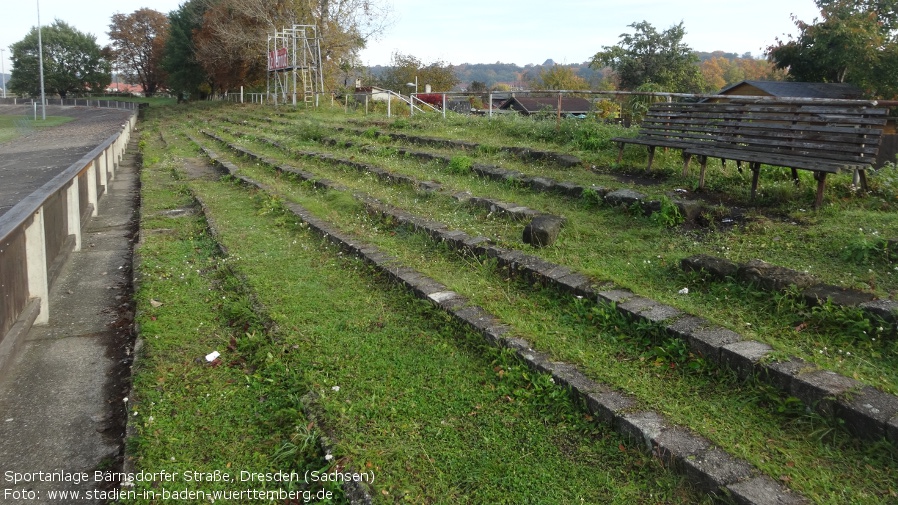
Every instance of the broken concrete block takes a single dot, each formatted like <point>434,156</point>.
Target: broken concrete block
<point>543,230</point>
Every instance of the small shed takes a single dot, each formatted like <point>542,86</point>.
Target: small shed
<point>532,105</point>
<point>373,93</point>
<point>786,89</point>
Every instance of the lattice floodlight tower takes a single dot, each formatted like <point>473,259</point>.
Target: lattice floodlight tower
<point>294,65</point>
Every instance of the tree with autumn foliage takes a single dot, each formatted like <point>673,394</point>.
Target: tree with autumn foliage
<point>138,42</point>
<point>853,41</point>
<point>720,72</point>
<point>405,68</point>
<point>231,42</point>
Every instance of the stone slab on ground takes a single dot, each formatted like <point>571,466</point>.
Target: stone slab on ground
<point>763,490</point>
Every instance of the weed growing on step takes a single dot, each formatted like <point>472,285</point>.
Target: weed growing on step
<point>869,249</point>
<point>591,197</point>
<point>310,131</point>
<point>884,182</point>
<point>649,341</point>
<point>460,165</point>
<point>669,215</point>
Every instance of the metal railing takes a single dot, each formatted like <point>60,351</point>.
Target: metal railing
<point>72,102</point>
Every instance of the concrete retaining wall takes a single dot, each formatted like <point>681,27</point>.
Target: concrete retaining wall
<point>38,233</point>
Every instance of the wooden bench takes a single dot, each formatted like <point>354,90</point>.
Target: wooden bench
<point>823,136</point>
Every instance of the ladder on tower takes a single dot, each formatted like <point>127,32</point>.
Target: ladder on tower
<point>308,86</point>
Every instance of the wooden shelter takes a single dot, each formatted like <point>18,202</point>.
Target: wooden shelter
<point>787,89</point>
<point>533,105</point>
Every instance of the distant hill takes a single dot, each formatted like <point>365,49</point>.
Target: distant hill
<point>518,76</point>
<point>505,73</point>
<point>702,55</point>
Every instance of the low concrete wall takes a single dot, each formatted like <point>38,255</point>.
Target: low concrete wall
<point>39,232</point>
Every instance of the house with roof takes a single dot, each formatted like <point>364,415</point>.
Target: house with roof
<point>123,87</point>
<point>531,105</point>
<point>787,89</point>
<point>372,93</point>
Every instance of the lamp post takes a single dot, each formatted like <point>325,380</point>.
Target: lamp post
<point>3,71</point>
<point>411,99</point>
<point>40,56</point>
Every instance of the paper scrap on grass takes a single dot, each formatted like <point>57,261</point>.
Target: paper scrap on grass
<point>212,356</point>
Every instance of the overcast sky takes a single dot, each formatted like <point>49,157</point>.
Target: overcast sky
<point>571,31</point>
<point>476,31</point>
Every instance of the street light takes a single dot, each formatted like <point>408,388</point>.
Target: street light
<point>40,56</point>
<point>3,71</point>
<point>411,98</point>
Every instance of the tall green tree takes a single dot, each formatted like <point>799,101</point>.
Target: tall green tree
<point>404,68</point>
<point>477,87</point>
<point>852,41</point>
<point>73,62</point>
<point>559,77</point>
<point>184,74</point>
<point>650,56</point>
<point>138,40</point>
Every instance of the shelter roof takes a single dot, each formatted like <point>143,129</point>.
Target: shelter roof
<point>532,105</point>
<point>798,89</point>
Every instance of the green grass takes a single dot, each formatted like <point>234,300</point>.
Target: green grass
<point>191,416</point>
<point>715,401</point>
<point>646,256</point>
<point>415,397</point>
<point>435,414</point>
<point>409,395</point>
<point>12,127</point>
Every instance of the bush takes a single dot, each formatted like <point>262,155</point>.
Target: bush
<point>460,165</point>
<point>435,99</point>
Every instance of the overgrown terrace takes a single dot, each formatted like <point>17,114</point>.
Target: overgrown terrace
<point>411,393</point>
